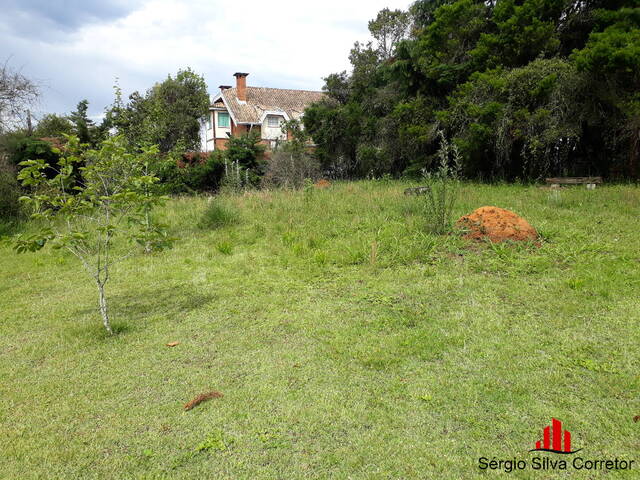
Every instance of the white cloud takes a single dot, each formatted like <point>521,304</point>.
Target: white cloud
<point>281,44</point>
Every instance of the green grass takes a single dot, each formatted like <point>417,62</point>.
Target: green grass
<point>347,342</point>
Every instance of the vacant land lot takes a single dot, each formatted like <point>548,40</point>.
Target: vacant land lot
<point>347,342</point>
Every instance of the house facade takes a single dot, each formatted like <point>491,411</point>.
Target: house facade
<point>242,109</point>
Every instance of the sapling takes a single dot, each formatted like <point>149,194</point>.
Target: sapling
<point>88,200</point>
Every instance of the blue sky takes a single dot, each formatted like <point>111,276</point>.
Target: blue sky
<point>76,49</point>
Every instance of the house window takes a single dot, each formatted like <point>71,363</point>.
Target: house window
<point>223,120</point>
<point>273,121</point>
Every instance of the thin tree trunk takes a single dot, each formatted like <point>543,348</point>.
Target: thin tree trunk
<point>147,243</point>
<point>103,308</point>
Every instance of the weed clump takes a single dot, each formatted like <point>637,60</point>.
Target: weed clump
<point>218,215</point>
<point>442,186</point>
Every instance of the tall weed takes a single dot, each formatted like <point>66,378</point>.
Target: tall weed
<point>442,188</point>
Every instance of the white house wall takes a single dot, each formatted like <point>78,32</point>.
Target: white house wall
<point>272,133</point>
<point>207,143</point>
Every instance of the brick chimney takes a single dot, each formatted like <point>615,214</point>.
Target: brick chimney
<point>241,85</point>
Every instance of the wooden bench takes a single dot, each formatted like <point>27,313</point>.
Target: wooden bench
<point>590,182</point>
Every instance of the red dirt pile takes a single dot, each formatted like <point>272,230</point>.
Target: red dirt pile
<point>497,225</point>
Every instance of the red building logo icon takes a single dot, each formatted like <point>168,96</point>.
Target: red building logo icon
<point>554,439</point>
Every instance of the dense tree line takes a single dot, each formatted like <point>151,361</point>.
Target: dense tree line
<point>525,88</point>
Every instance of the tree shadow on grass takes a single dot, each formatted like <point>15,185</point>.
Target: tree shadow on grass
<point>133,311</point>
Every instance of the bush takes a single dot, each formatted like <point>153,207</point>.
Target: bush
<point>21,147</point>
<point>9,192</point>
<point>192,177</point>
<point>246,150</point>
<point>442,185</point>
<point>218,215</point>
<point>206,176</point>
<point>290,169</point>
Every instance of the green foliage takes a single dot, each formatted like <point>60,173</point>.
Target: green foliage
<point>246,150</point>
<point>336,131</point>
<point>83,126</point>
<point>525,88</point>
<point>520,31</point>
<point>217,215</point>
<point>243,161</point>
<point>524,122</point>
<point>616,49</point>
<point>388,29</point>
<point>237,168</point>
<point>236,178</point>
<point>20,147</point>
<point>9,192</point>
<point>52,125</point>
<point>225,247</point>
<point>114,199</point>
<point>216,441</point>
<point>168,114</point>
<point>207,176</point>
<point>179,176</point>
<point>442,188</point>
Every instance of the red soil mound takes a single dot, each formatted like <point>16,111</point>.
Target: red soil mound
<point>497,225</point>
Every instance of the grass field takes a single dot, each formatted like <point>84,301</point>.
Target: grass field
<point>347,342</point>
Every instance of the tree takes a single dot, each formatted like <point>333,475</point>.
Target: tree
<point>388,28</point>
<point>83,125</point>
<point>168,115</point>
<point>245,149</point>
<point>522,87</point>
<point>111,202</point>
<point>52,125</point>
<point>337,87</point>
<point>422,12</point>
<point>17,94</point>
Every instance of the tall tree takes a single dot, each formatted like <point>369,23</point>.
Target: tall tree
<point>17,94</point>
<point>524,87</point>
<point>52,125</point>
<point>388,28</point>
<point>83,125</point>
<point>167,115</point>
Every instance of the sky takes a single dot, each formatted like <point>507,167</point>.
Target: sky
<point>75,49</point>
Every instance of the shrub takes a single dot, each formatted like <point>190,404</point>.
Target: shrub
<point>9,192</point>
<point>442,186</point>
<point>206,176</point>
<point>290,169</point>
<point>192,177</point>
<point>217,215</point>
<point>237,178</point>
<point>246,150</point>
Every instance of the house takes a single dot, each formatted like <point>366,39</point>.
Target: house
<point>241,109</point>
